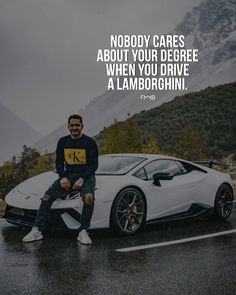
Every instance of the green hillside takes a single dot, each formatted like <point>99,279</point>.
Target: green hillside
<point>213,110</point>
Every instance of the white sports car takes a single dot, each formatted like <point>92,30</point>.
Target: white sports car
<point>131,190</point>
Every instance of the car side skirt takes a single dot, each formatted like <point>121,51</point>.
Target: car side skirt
<point>195,210</point>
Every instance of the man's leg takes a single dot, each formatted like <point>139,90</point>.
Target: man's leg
<point>87,212</point>
<point>55,191</point>
<point>87,192</point>
<point>47,200</point>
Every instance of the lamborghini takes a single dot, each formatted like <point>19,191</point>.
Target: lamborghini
<point>131,190</point>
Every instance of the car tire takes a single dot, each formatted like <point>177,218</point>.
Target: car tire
<point>223,202</point>
<point>128,213</point>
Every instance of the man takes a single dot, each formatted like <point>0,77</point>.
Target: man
<point>76,163</point>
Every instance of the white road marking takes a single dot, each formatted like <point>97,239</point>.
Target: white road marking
<point>180,241</point>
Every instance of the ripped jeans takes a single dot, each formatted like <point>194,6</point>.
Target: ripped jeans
<point>55,191</point>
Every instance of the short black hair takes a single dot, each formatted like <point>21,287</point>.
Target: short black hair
<point>75,116</point>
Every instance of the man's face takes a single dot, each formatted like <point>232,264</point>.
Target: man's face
<point>75,127</point>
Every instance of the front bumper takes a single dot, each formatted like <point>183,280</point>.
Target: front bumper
<point>26,217</point>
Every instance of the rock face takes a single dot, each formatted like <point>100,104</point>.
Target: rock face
<point>211,22</point>
<point>14,134</point>
<point>211,28</point>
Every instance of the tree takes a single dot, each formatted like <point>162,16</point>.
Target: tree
<point>132,137</point>
<point>191,143</point>
<point>8,178</point>
<point>29,164</point>
<point>151,147</point>
<point>112,139</point>
<point>43,164</point>
<point>28,159</point>
<point>122,138</point>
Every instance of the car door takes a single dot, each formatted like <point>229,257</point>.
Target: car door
<point>172,196</point>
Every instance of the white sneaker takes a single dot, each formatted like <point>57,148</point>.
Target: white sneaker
<point>34,235</point>
<point>83,238</point>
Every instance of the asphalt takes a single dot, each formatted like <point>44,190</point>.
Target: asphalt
<point>61,265</point>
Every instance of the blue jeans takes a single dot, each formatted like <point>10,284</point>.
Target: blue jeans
<point>55,191</point>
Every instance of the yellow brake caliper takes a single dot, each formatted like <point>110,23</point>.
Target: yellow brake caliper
<point>135,210</point>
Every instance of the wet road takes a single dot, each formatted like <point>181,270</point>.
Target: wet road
<point>60,265</point>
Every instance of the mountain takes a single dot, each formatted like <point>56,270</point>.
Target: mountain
<point>14,134</point>
<point>211,28</point>
<point>212,110</point>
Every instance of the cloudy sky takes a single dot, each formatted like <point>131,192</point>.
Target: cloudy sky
<point>48,50</point>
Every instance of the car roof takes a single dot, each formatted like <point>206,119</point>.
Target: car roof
<point>153,157</point>
<point>140,155</point>
<point>150,157</point>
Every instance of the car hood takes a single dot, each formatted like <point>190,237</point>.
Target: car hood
<point>28,193</point>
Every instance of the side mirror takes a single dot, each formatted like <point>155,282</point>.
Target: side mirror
<point>161,176</point>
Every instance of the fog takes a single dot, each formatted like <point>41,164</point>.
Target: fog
<point>49,47</point>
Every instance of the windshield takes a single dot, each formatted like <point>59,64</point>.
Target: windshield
<point>117,164</point>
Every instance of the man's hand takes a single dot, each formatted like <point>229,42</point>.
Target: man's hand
<point>78,184</point>
<point>65,183</point>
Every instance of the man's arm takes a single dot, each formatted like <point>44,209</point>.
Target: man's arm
<point>92,160</point>
<point>60,159</point>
